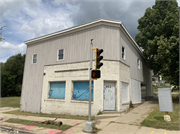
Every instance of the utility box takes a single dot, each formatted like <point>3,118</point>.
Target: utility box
<point>165,99</point>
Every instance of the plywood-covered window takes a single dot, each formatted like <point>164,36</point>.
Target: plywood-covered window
<point>34,61</point>
<point>57,90</point>
<point>125,92</point>
<point>81,90</point>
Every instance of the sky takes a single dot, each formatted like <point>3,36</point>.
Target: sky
<point>28,19</point>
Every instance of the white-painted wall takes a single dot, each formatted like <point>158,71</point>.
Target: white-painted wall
<point>111,71</point>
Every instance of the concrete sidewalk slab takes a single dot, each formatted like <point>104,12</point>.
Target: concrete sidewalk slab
<point>116,128</point>
<point>138,114</point>
<point>119,129</point>
<point>41,130</point>
<point>106,123</point>
<point>148,130</point>
<point>101,124</point>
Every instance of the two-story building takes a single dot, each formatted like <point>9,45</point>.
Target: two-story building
<point>56,73</point>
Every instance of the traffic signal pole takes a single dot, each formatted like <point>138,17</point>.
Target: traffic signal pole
<point>89,125</point>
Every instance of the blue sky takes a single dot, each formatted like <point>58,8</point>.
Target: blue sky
<point>27,19</point>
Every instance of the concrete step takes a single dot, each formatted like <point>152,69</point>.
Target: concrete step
<point>111,112</point>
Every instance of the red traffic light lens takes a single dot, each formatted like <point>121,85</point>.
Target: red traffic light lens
<point>99,51</point>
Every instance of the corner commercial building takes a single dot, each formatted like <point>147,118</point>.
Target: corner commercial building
<point>56,74</point>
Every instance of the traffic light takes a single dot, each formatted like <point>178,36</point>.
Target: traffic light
<point>96,74</point>
<point>98,58</point>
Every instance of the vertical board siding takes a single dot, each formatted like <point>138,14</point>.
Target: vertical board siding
<point>131,59</point>
<point>76,46</point>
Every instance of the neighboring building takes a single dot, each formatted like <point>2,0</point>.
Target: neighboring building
<point>157,79</point>
<point>56,74</point>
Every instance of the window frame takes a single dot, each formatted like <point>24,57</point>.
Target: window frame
<point>33,58</point>
<point>58,55</point>
<point>124,58</point>
<point>138,64</point>
<point>80,100</point>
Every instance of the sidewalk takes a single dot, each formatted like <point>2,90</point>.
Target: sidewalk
<point>128,123</point>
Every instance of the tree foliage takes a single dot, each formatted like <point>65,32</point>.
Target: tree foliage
<point>0,33</point>
<point>12,75</point>
<point>159,39</point>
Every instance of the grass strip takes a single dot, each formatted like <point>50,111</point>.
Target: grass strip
<point>155,88</point>
<point>156,119</point>
<point>32,123</point>
<point>18,112</point>
<point>10,102</point>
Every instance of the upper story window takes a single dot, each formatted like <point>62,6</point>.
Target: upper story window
<point>34,59</point>
<point>123,53</point>
<point>61,54</point>
<point>138,63</point>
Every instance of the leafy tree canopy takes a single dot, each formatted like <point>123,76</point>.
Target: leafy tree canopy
<point>159,39</point>
<point>12,75</point>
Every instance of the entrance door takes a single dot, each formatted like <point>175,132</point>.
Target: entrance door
<point>109,96</point>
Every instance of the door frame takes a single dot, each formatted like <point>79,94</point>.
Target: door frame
<point>115,85</point>
<point>146,89</point>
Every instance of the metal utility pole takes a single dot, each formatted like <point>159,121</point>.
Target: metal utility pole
<point>89,125</point>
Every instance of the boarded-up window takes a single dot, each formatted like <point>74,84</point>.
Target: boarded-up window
<point>125,92</point>
<point>81,90</point>
<point>57,90</point>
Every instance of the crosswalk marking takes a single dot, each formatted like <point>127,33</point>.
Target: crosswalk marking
<point>152,132</point>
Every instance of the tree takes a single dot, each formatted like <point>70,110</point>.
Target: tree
<point>12,75</point>
<point>0,33</point>
<point>159,39</point>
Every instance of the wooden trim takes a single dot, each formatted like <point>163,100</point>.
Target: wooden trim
<point>71,70</point>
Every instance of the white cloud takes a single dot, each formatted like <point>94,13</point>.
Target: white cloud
<point>42,26</point>
<point>7,49</point>
<point>3,60</point>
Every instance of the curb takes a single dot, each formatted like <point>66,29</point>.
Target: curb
<point>14,128</point>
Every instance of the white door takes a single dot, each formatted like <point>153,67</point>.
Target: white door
<point>109,96</point>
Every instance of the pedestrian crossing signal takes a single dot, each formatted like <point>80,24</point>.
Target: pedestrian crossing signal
<point>95,74</point>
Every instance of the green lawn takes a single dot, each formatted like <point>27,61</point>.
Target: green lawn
<point>155,88</point>
<point>10,102</point>
<point>17,112</point>
<point>32,123</point>
<point>156,118</point>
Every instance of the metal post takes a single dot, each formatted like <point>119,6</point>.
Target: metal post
<point>89,125</point>
<point>90,82</point>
